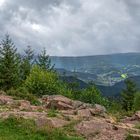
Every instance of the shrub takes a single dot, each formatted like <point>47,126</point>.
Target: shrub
<point>41,82</point>
<point>92,95</point>
<point>22,93</point>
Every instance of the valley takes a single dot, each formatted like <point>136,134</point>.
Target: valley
<point>108,72</point>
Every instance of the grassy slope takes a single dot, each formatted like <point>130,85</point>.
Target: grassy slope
<point>21,129</point>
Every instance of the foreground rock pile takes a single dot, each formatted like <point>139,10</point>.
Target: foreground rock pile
<point>72,107</point>
<point>92,122</point>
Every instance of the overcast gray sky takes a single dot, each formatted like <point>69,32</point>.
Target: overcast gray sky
<point>73,27</point>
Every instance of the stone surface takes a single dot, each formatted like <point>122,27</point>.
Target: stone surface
<point>57,102</point>
<point>51,122</point>
<point>5,99</point>
<point>26,115</point>
<point>84,113</point>
<point>57,98</point>
<point>69,112</point>
<point>24,105</point>
<point>100,130</point>
<point>77,104</point>
<point>58,105</point>
<point>92,121</point>
<point>99,108</point>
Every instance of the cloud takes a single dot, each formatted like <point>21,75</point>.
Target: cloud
<point>81,27</point>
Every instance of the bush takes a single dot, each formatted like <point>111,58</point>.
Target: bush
<point>92,95</point>
<point>41,82</point>
<point>22,93</point>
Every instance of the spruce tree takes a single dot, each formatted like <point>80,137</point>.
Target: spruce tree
<point>44,61</point>
<point>9,64</point>
<point>27,62</point>
<point>128,95</point>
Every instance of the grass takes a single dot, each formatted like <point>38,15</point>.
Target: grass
<point>52,113</point>
<point>137,126</point>
<point>21,129</point>
<point>70,128</point>
<point>129,137</point>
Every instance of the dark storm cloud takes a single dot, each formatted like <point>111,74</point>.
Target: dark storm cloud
<point>73,27</point>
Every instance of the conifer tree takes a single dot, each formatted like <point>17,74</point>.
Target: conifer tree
<point>128,95</point>
<point>9,64</point>
<point>27,62</point>
<point>44,61</point>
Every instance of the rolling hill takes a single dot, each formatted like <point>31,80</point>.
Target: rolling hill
<point>109,91</point>
<point>105,70</point>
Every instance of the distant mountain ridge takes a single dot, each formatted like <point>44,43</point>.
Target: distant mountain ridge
<point>102,69</point>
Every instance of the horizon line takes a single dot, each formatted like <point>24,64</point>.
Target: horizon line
<point>97,54</point>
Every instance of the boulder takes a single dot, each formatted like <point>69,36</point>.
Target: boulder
<point>57,102</point>
<point>98,110</point>
<point>24,105</point>
<point>57,98</point>
<point>51,122</point>
<point>77,104</point>
<point>85,106</point>
<point>84,113</point>
<point>5,99</point>
<point>58,105</point>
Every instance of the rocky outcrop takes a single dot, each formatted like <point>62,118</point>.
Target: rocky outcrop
<point>99,129</point>
<point>93,121</point>
<point>63,103</point>
<point>57,102</point>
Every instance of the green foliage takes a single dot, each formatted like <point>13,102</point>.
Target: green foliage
<point>44,61</point>
<point>128,95</point>
<point>115,107</point>
<point>22,93</point>
<point>137,126</point>
<point>92,95</point>
<point>76,92</point>
<point>137,101</point>
<point>41,82</point>
<point>52,113</point>
<point>21,129</point>
<point>9,64</point>
<point>27,62</point>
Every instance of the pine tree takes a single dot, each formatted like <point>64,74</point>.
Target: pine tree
<point>27,62</point>
<point>128,95</point>
<point>9,64</point>
<point>44,61</point>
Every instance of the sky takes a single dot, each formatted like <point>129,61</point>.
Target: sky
<point>72,27</point>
